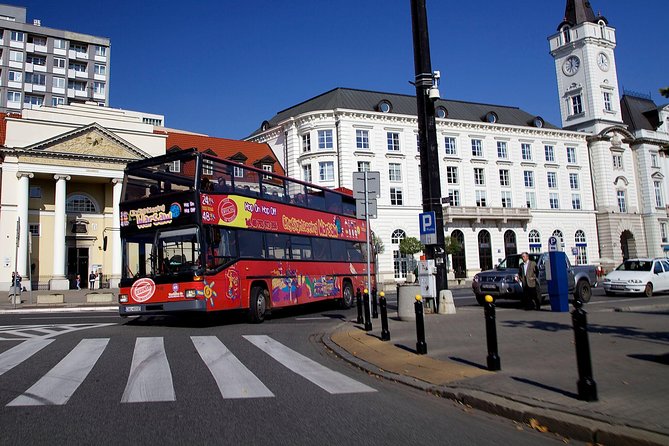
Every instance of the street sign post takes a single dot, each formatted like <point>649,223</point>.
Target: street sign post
<point>373,185</point>
<point>428,228</point>
<point>360,208</point>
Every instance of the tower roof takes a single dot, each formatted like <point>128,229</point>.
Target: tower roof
<point>579,11</point>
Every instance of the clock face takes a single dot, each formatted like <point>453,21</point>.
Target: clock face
<point>571,65</point>
<point>603,62</point>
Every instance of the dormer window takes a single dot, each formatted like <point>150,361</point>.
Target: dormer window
<point>264,126</point>
<point>491,117</point>
<point>538,122</point>
<point>384,106</point>
<point>441,112</point>
<point>566,34</point>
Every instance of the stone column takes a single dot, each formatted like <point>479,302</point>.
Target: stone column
<point>116,234</point>
<point>59,280</point>
<point>23,195</point>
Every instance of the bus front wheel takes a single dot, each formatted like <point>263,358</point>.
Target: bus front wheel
<point>347,295</point>
<point>257,305</point>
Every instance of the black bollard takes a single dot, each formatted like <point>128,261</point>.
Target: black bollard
<point>385,333</point>
<point>358,296</point>
<point>491,334</point>
<point>368,320</point>
<point>587,388</point>
<point>421,346</point>
<point>375,313</point>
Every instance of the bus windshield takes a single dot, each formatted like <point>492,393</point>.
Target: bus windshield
<point>177,251</point>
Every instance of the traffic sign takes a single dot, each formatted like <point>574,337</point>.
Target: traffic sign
<point>552,243</point>
<point>428,228</point>
<point>373,185</point>
<point>360,208</point>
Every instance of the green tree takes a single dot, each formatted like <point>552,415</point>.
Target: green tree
<point>378,244</point>
<point>451,246</point>
<point>410,246</point>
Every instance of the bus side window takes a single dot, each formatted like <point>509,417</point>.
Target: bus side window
<point>300,248</point>
<point>321,249</point>
<point>338,250</point>
<point>251,244</point>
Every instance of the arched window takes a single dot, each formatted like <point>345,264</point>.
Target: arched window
<point>581,247</point>
<point>397,236</point>
<point>558,234</point>
<point>566,34</point>
<point>602,28</point>
<point>534,239</point>
<point>80,203</point>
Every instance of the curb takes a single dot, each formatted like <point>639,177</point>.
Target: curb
<point>563,423</point>
<point>633,308</point>
<point>79,309</point>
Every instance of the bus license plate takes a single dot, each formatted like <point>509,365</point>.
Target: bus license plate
<point>133,308</point>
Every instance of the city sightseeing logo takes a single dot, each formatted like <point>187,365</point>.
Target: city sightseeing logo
<point>227,210</point>
<point>142,290</point>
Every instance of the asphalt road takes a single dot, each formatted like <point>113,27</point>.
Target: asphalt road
<point>151,380</point>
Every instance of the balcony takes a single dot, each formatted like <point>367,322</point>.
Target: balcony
<point>477,215</point>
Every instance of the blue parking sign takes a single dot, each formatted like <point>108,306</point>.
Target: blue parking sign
<point>428,228</point>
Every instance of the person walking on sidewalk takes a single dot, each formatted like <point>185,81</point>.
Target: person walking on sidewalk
<point>528,273</point>
<point>91,280</point>
<point>78,281</point>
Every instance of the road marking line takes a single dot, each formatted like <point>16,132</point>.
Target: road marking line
<point>150,377</point>
<point>16,355</point>
<point>328,380</point>
<point>315,318</point>
<point>234,380</point>
<point>60,383</point>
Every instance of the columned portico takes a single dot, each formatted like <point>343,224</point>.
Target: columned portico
<point>59,281</point>
<point>116,234</point>
<point>22,215</point>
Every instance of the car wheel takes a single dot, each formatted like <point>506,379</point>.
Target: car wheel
<point>480,298</point>
<point>583,291</point>
<point>257,305</point>
<point>347,296</point>
<point>648,291</point>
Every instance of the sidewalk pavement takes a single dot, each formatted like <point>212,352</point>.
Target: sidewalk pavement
<point>537,383</point>
<point>49,300</point>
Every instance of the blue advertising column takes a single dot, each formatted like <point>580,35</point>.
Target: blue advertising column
<point>556,276</point>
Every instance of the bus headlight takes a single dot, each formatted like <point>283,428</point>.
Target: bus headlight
<point>190,294</point>
<point>123,298</point>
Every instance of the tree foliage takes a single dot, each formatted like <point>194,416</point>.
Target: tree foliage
<point>452,245</point>
<point>378,244</point>
<point>410,246</point>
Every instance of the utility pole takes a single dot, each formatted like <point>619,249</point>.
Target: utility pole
<point>426,93</point>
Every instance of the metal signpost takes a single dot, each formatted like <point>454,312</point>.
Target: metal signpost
<point>366,184</point>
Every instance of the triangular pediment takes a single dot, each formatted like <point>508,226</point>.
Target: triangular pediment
<point>89,141</point>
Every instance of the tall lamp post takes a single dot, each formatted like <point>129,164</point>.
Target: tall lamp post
<point>426,94</point>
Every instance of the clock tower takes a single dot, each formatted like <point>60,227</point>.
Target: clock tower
<point>586,69</point>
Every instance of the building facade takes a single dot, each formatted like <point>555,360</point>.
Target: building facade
<point>513,180</point>
<point>627,138</point>
<point>46,66</point>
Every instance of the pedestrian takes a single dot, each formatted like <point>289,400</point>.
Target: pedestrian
<point>16,281</point>
<point>78,281</point>
<point>528,273</point>
<point>91,280</point>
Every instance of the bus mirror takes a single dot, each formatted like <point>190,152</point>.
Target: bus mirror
<point>104,243</point>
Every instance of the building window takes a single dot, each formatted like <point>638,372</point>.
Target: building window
<point>530,200</point>
<point>59,44</point>
<point>551,178</point>
<point>100,69</point>
<point>58,62</point>
<point>617,161</point>
<point>608,104</point>
<point>397,236</point>
<point>17,36</point>
<point>58,82</point>
<point>15,76</point>
<point>396,196</point>
<point>479,176</point>
<point>325,140</point>
<point>207,167</point>
<point>449,144</point>
<point>451,174</point>
<point>526,151</point>
<point>506,199</point>
<point>558,235</point>
<point>576,201</point>
<point>566,34</point>
<point>581,248</point>
<point>400,264</point>
<point>175,166</point>
<point>454,197</point>
<point>76,85</point>
<point>79,47</point>
<point>35,192</point>
<point>393,139</point>
<point>395,172</point>
<point>306,142</point>
<point>98,87</point>
<point>663,232</point>
<point>362,139</point>
<point>534,240</point>
<point>659,199</point>
<point>477,148</point>
<point>550,153</point>
<point>33,228</point>
<point>306,173</point>
<point>573,181</point>
<point>238,172</point>
<point>554,200</point>
<point>576,105</point>
<point>481,198</point>
<point>57,100</point>
<point>528,178</point>
<point>16,56</point>
<point>267,168</point>
<point>501,150</point>
<point>571,155</point>
<point>33,101</point>
<point>364,166</point>
<point>80,203</point>
<point>504,177</point>
<point>653,160</point>
<point>36,60</point>
<point>622,203</point>
<point>35,79</point>
<point>13,96</point>
<point>101,51</point>
<point>326,171</point>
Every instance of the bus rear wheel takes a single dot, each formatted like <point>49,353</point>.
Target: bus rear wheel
<point>257,305</point>
<point>347,295</point>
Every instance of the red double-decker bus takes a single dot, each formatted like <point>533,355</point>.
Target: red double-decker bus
<point>203,234</point>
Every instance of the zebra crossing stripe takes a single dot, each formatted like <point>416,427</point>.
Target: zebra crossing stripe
<point>329,380</point>
<point>150,376</point>
<point>60,383</point>
<point>234,380</point>
<point>16,355</point>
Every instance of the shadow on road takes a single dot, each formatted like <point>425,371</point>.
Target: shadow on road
<point>467,362</point>
<point>545,387</point>
<point>660,359</point>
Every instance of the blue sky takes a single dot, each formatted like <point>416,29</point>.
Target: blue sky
<point>221,67</point>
